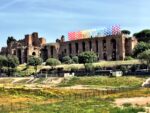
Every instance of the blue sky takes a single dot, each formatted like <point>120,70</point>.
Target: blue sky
<point>53,18</point>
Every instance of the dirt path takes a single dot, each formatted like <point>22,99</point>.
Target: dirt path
<point>134,101</point>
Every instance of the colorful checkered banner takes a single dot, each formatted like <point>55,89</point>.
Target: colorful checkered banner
<point>100,32</point>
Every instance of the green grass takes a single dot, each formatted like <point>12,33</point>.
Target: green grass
<point>104,81</point>
<point>97,104</point>
<point>93,105</point>
<point>6,80</point>
<point>100,64</point>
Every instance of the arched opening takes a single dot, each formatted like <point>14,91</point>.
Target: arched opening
<point>83,46</point>
<point>25,54</point>
<point>96,42</point>
<point>19,55</point>
<point>126,46</point>
<point>104,56</point>
<point>104,45</point>
<point>70,49</point>
<point>33,53</point>
<point>90,45</point>
<point>113,46</point>
<point>52,51</point>
<point>77,48</point>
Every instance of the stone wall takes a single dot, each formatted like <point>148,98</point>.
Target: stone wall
<point>114,47</point>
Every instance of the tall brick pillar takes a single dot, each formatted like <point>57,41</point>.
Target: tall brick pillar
<point>100,49</point>
<point>28,40</point>
<point>108,49</point>
<point>121,48</point>
<point>22,56</point>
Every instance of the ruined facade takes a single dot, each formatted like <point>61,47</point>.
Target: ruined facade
<point>30,45</point>
<point>114,47</point>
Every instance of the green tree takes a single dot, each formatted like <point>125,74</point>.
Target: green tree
<point>127,32</point>
<point>75,59</point>
<point>3,61</point>
<point>140,47</point>
<point>12,63</point>
<point>34,61</point>
<point>143,35</point>
<point>10,39</point>
<point>67,60</point>
<point>145,57</point>
<point>87,57</point>
<point>52,62</point>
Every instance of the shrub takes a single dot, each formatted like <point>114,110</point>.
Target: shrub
<point>3,61</point>
<point>88,66</point>
<point>87,57</point>
<point>34,61</point>
<point>75,59</point>
<point>67,60</point>
<point>122,68</point>
<point>52,62</point>
<point>145,56</point>
<point>134,68</point>
<point>129,58</point>
<point>140,47</point>
<point>12,61</point>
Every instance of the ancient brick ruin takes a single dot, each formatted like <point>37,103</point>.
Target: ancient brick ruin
<point>114,47</point>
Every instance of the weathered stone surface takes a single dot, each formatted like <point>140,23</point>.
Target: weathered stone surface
<point>146,83</point>
<point>113,47</point>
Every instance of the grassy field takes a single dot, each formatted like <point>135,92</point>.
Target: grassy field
<point>49,101</point>
<point>67,100</point>
<point>105,81</point>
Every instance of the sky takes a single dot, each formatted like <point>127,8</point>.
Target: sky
<point>53,18</point>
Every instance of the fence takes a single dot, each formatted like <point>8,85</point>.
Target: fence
<point>81,94</point>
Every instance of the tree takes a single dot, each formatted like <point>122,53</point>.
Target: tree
<point>87,57</point>
<point>10,39</point>
<point>75,59</point>
<point>34,61</point>
<point>127,32</point>
<point>67,60</point>
<point>12,62</point>
<point>143,35</point>
<point>3,61</point>
<point>140,47</point>
<point>52,62</point>
<point>145,57</point>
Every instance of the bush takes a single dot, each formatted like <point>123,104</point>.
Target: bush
<point>88,66</point>
<point>87,57</point>
<point>134,68</point>
<point>145,57</point>
<point>140,47</point>
<point>67,60</point>
<point>12,61</point>
<point>122,68</point>
<point>3,61</point>
<point>34,61</point>
<point>52,62</point>
<point>75,59</point>
<point>129,58</point>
